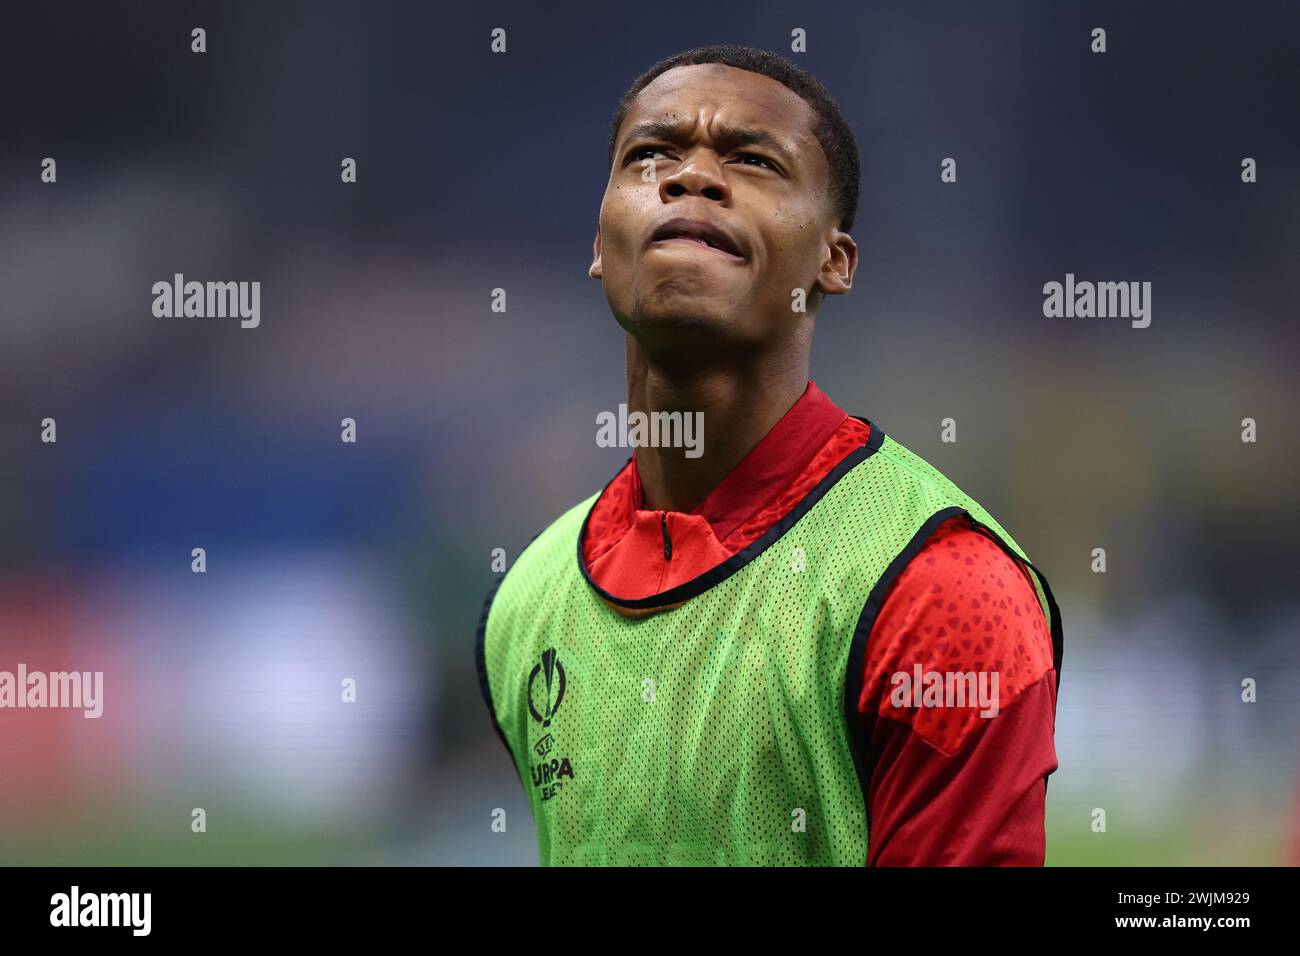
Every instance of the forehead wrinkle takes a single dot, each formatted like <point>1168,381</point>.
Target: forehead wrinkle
<point>719,130</point>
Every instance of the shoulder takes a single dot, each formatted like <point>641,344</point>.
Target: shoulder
<point>548,555</point>
<point>558,537</point>
<point>894,482</point>
<point>961,605</point>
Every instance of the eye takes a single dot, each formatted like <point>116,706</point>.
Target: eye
<point>637,153</point>
<point>755,156</point>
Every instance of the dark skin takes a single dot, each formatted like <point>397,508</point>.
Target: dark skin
<point>710,331</point>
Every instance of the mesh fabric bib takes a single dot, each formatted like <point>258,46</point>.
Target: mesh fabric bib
<point>722,730</point>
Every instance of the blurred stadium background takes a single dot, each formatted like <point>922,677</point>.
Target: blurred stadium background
<point>475,429</point>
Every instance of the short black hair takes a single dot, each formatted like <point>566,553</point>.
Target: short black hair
<point>832,130</point>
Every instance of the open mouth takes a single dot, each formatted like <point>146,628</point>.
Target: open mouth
<point>698,234</point>
<point>698,243</point>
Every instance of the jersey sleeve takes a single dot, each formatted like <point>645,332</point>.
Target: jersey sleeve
<point>958,785</point>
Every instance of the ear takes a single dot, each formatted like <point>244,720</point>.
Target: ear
<point>836,274</point>
<point>594,271</point>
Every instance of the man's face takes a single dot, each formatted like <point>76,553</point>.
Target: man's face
<point>737,214</point>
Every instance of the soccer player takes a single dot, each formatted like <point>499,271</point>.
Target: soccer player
<point>800,633</point>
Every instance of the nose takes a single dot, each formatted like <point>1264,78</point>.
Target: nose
<point>699,176</point>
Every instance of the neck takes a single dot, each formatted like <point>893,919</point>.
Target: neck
<point>740,403</point>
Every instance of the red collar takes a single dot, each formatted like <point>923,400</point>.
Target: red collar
<point>624,549</point>
<point>769,467</point>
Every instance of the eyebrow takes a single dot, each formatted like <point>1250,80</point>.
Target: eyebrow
<point>675,132</point>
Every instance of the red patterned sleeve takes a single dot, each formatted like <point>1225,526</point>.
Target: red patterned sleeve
<point>958,785</point>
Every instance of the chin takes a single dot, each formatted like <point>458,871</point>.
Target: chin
<point>687,299</point>
<point>682,314</point>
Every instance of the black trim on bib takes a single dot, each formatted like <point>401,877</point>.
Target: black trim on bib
<point>859,744</point>
<point>716,575</point>
<point>480,661</point>
<point>480,656</point>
